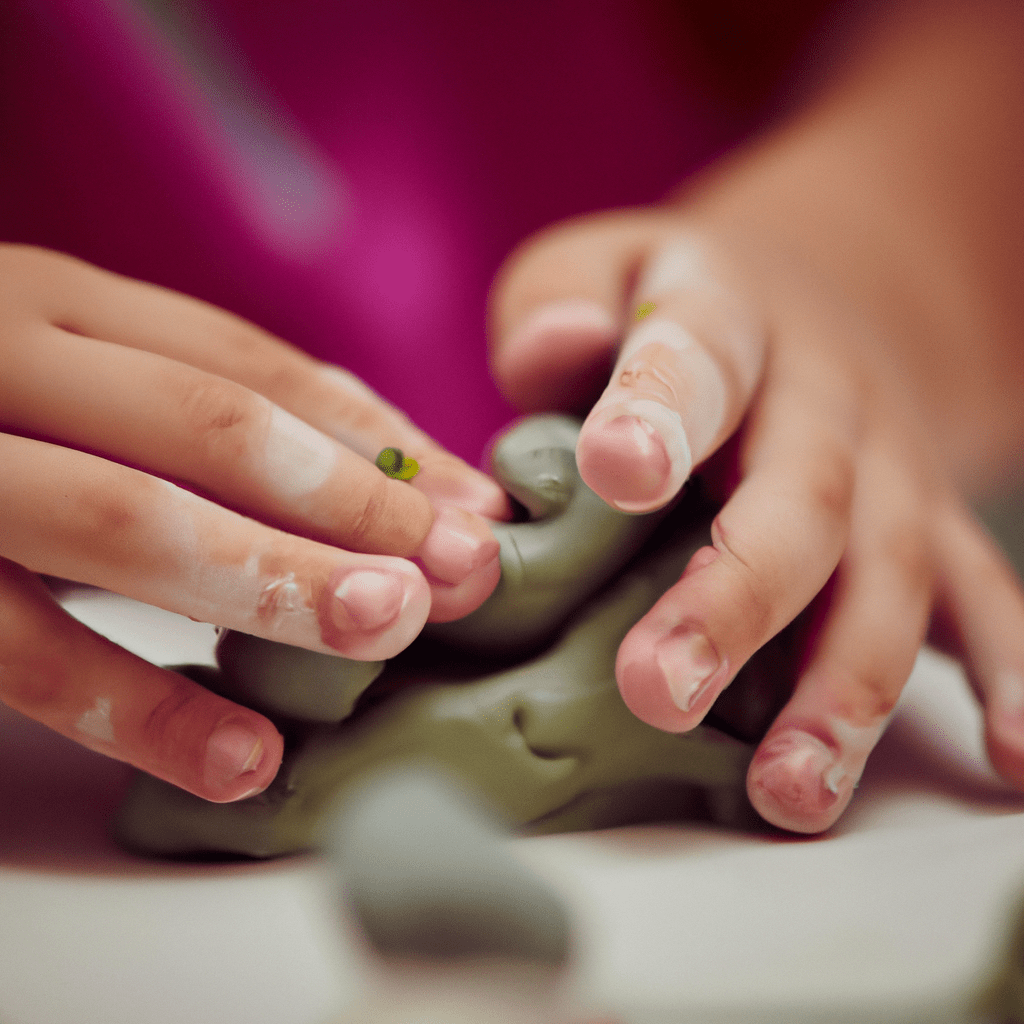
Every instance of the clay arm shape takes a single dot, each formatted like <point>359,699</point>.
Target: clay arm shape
<point>573,544</point>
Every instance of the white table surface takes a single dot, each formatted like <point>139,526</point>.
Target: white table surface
<point>897,915</point>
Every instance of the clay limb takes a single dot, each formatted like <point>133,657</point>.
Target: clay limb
<point>281,680</point>
<point>573,544</point>
<point>549,743</point>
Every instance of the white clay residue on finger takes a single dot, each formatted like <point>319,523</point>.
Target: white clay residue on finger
<point>298,460</point>
<point>678,265</point>
<point>855,743</point>
<point>96,721</point>
<point>697,389</point>
<point>657,330</point>
<point>218,577</point>
<point>279,600</point>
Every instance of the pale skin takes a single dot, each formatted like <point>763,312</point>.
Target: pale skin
<point>837,340</point>
<point>113,393</point>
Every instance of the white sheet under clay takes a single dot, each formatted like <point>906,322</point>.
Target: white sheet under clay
<point>895,917</point>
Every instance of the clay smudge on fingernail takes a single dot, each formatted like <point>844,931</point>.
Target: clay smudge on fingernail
<point>795,771</point>
<point>298,459</point>
<point>96,721</point>
<point>690,665</point>
<point>855,743</point>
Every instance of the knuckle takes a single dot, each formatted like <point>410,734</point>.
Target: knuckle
<point>283,380</point>
<point>107,520</point>
<point>384,519</point>
<point>831,484</point>
<point>220,416</point>
<point>171,725</point>
<point>877,694</point>
<point>755,588</point>
<point>905,546</point>
<point>34,685</point>
<point>363,418</point>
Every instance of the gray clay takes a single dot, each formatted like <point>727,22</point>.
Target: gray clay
<point>284,681</point>
<point>428,873</point>
<point>547,741</point>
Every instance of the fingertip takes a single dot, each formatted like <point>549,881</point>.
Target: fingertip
<point>459,544</point>
<point>450,602</point>
<point>242,756</point>
<point>557,356</point>
<point>643,684</point>
<point>635,455</point>
<point>448,481</point>
<point>796,782</point>
<point>461,560</point>
<point>373,611</point>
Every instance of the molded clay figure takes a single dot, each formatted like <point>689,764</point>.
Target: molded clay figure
<point>547,741</point>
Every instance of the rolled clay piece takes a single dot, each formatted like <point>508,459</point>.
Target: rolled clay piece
<point>428,873</point>
<point>284,681</point>
<point>548,744</point>
<point>573,544</point>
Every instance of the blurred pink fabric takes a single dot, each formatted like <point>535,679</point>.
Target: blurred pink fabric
<point>347,175</point>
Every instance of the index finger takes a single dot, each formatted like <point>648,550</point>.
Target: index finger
<point>683,378</point>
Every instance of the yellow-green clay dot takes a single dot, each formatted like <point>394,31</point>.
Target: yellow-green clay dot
<point>394,464</point>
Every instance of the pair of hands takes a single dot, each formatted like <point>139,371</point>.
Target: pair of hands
<point>751,365</point>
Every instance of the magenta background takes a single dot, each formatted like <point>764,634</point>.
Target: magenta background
<point>451,130</point>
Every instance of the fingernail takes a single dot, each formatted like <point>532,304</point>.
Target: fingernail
<point>459,543</point>
<point>801,777</point>
<point>566,315</point>
<point>635,455</point>
<point>689,664</point>
<point>232,750</point>
<point>367,599</point>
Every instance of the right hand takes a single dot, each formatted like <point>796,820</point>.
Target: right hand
<point>112,388</point>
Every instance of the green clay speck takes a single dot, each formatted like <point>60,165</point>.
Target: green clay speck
<point>394,464</point>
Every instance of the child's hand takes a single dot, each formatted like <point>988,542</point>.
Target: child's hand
<point>109,389</point>
<point>835,489</point>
